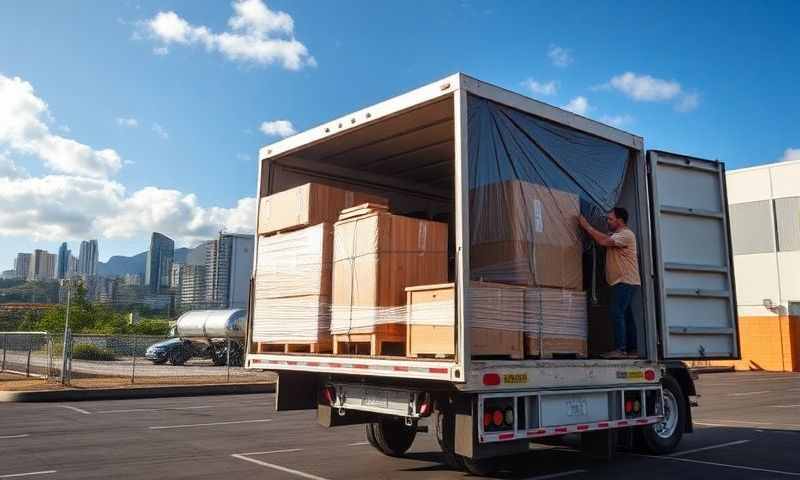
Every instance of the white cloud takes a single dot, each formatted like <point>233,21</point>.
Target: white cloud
<point>160,131</point>
<point>24,129</point>
<point>645,88</point>
<point>617,120</point>
<point>258,35</point>
<point>127,122</point>
<point>790,155</point>
<point>161,51</point>
<point>688,102</point>
<point>561,57</point>
<point>278,128</point>
<point>579,105</point>
<point>83,204</point>
<point>10,169</point>
<point>60,206</point>
<point>541,88</point>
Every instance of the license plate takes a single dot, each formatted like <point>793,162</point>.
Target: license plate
<point>376,399</point>
<point>577,407</point>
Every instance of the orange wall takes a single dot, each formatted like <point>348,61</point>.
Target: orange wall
<point>767,343</point>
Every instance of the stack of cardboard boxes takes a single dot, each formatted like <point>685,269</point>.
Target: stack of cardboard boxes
<point>292,294</point>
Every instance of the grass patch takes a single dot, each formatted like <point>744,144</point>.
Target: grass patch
<point>87,351</point>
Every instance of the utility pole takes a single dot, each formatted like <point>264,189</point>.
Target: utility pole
<point>64,358</point>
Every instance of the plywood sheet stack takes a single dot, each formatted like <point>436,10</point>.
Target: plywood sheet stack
<point>376,256</point>
<point>497,308</point>
<point>293,284</point>
<point>555,322</point>
<point>527,234</point>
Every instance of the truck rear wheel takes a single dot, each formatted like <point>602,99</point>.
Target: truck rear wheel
<point>481,467</point>
<point>663,437</point>
<point>444,425</point>
<point>392,437</point>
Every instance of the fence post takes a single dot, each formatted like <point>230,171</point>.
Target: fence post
<point>28,362</point>
<point>228,359</point>
<point>133,368</point>
<point>5,340</point>
<point>49,356</point>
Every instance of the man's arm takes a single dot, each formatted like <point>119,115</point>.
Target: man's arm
<point>601,238</point>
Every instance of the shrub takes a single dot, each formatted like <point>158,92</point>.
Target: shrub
<point>87,351</point>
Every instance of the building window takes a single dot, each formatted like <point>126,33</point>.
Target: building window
<point>752,229</point>
<point>787,223</point>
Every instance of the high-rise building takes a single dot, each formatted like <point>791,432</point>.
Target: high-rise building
<point>132,280</point>
<point>72,266</point>
<point>62,268</point>
<point>229,265</point>
<point>191,288</point>
<point>87,258</point>
<point>43,266</point>
<point>22,265</point>
<point>158,267</point>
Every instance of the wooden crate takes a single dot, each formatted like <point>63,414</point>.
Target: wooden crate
<point>555,347</point>
<point>376,256</point>
<point>386,339</point>
<point>325,346</point>
<point>561,317</point>
<point>437,340</point>
<point>307,204</point>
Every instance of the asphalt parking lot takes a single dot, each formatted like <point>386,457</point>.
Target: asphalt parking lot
<point>747,427</point>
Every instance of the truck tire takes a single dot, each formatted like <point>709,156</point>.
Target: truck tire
<point>178,357</point>
<point>662,438</point>
<point>371,436</point>
<point>393,437</point>
<point>444,426</point>
<point>481,467</point>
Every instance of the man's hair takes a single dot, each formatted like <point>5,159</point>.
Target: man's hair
<point>621,213</point>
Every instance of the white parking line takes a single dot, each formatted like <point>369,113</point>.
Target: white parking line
<point>741,422</point>
<point>286,450</point>
<point>557,475</point>
<point>785,406</point>
<point>357,444</point>
<point>76,409</point>
<point>710,447</point>
<point>164,427</point>
<point>747,394</point>
<point>290,471</point>
<point>133,410</point>
<point>17,475</point>
<point>14,436</point>
<point>738,467</point>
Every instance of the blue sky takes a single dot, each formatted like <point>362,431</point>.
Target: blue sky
<point>180,104</point>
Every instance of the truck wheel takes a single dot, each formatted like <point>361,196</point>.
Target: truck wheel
<point>393,437</point>
<point>177,357</point>
<point>481,467</point>
<point>661,438</point>
<point>371,436</point>
<point>444,425</point>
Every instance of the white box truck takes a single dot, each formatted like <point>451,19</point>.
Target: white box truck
<point>430,150</point>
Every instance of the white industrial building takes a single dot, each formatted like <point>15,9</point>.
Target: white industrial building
<point>765,228</point>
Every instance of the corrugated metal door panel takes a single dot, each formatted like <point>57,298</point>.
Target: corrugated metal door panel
<point>691,233</point>
<point>751,228</point>
<point>787,222</point>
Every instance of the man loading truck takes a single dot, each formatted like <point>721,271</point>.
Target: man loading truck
<point>622,274</point>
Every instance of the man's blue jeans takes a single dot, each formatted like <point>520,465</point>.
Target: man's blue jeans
<point>622,314</point>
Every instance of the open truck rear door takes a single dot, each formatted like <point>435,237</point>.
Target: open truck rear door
<point>693,262</point>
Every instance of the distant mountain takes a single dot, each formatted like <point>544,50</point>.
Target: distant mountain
<point>119,265</point>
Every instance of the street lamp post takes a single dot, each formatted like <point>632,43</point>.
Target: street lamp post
<point>64,358</point>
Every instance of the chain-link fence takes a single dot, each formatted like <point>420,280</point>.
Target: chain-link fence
<point>117,360</point>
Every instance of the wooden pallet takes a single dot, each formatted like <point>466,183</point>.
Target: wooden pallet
<point>388,339</point>
<point>324,346</point>
<point>556,347</point>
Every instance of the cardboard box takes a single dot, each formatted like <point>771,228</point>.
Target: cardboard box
<point>560,318</point>
<point>496,320</point>
<point>295,263</point>
<point>307,204</point>
<point>293,286</point>
<point>525,234</point>
<point>375,257</point>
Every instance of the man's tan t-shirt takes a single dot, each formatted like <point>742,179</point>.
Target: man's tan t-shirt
<point>622,265</point>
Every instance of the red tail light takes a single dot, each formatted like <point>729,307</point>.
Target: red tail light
<point>628,406</point>
<point>491,379</point>
<point>487,419</point>
<point>498,418</point>
<point>329,395</point>
<point>649,375</point>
